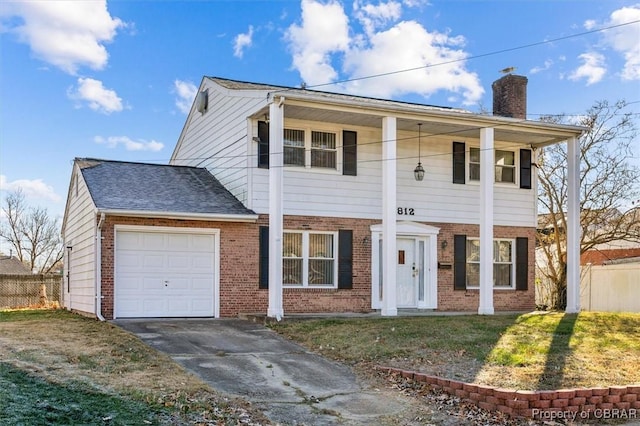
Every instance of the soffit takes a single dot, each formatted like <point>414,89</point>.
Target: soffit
<point>454,124</point>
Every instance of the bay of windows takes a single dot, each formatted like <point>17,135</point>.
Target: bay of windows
<point>309,259</point>
<point>503,265</point>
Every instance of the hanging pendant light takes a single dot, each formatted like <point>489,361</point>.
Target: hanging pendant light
<point>418,172</point>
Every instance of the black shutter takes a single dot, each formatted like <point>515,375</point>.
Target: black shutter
<point>459,262</point>
<point>525,168</point>
<point>522,263</point>
<point>345,259</point>
<point>349,153</point>
<point>263,144</point>
<point>459,162</point>
<point>264,257</point>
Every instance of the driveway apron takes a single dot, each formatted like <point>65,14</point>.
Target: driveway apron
<point>288,383</point>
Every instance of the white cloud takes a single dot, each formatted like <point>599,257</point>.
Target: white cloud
<point>241,42</point>
<point>66,34</point>
<point>386,46</point>
<point>547,64</point>
<point>626,39</point>
<point>186,92</point>
<point>373,17</point>
<point>590,24</point>
<point>415,3</point>
<point>129,144</point>
<point>408,45</point>
<point>97,97</point>
<point>324,30</point>
<point>32,188</point>
<point>593,68</point>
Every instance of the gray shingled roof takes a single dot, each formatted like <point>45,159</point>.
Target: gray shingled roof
<point>116,185</point>
<point>12,266</point>
<point>245,85</point>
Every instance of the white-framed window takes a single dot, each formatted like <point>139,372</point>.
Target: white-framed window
<point>315,149</point>
<point>474,163</point>
<point>294,147</point>
<point>503,263</point>
<point>505,165</point>
<point>309,259</point>
<point>323,150</point>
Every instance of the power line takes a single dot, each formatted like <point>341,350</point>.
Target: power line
<point>482,55</point>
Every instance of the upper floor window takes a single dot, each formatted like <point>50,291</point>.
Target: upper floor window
<point>294,147</point>
<point>505,166</point>
<point>321,147</point>
<point>312,149</point>
<point>323,150</point>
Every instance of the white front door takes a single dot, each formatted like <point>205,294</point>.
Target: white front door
<point>406,273</point>
<point>416,266</point>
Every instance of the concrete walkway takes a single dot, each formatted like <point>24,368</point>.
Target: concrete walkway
<point>289,384</point>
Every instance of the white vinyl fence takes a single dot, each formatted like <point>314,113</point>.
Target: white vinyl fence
<point>610,288</point>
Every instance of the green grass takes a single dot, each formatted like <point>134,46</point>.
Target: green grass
<point>14,315</point>
<point>60,368</point>
<point>30,400</point>
<point>532,351</point>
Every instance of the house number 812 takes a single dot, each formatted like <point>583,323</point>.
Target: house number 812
<point>406,211</point>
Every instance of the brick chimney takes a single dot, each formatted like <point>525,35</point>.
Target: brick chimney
<point>510,96</point>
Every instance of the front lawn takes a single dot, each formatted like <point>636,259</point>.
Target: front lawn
<point>534,351</point>
<point>61,368</point>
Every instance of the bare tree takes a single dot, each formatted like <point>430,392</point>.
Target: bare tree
<point>33,234</point>
<point>609,185</point>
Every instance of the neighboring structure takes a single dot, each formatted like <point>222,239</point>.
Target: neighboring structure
<point>611,278</point>
<point>610,272</point>
<point>10,265</point>
<point>310,201</point>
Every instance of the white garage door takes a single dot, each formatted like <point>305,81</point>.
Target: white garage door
<point>164,274</point>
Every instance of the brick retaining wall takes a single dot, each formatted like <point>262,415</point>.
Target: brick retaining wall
<point>531,404</point>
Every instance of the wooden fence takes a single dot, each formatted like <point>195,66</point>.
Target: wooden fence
<point>29,290</point>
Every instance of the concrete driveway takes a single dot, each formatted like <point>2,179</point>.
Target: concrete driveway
<point>289,384</point>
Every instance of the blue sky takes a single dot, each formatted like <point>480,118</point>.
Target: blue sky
<point>114,79</point>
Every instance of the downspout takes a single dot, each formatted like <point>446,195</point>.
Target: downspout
<point>98,266</point>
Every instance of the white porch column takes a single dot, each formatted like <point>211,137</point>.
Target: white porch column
<point>276,174</point>
<point>487,179</point>
<point>573,226</point>
<point>389,135</point>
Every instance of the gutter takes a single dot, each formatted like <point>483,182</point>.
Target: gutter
<point>183,216</point>
<point>98,266</point>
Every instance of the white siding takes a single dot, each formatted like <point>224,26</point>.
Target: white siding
<point>221,140</point>
<point>435,199</point>
<point>218,139</point>
<point>79,234</point>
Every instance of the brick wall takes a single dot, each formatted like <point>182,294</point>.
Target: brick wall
<point>239,261</point>
<point>586,402</point>
<point>468,300</point>
<point>510,96</point>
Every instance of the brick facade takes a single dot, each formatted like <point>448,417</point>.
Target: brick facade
<point>239,267</point>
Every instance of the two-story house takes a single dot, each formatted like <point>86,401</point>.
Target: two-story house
<point>288,200</point>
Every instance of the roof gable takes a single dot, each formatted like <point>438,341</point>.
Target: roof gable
<point>115,185</point>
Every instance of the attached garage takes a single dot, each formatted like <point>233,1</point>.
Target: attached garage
<point>165,272</point>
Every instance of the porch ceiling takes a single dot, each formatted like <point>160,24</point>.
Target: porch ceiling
<point>436,121</point>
